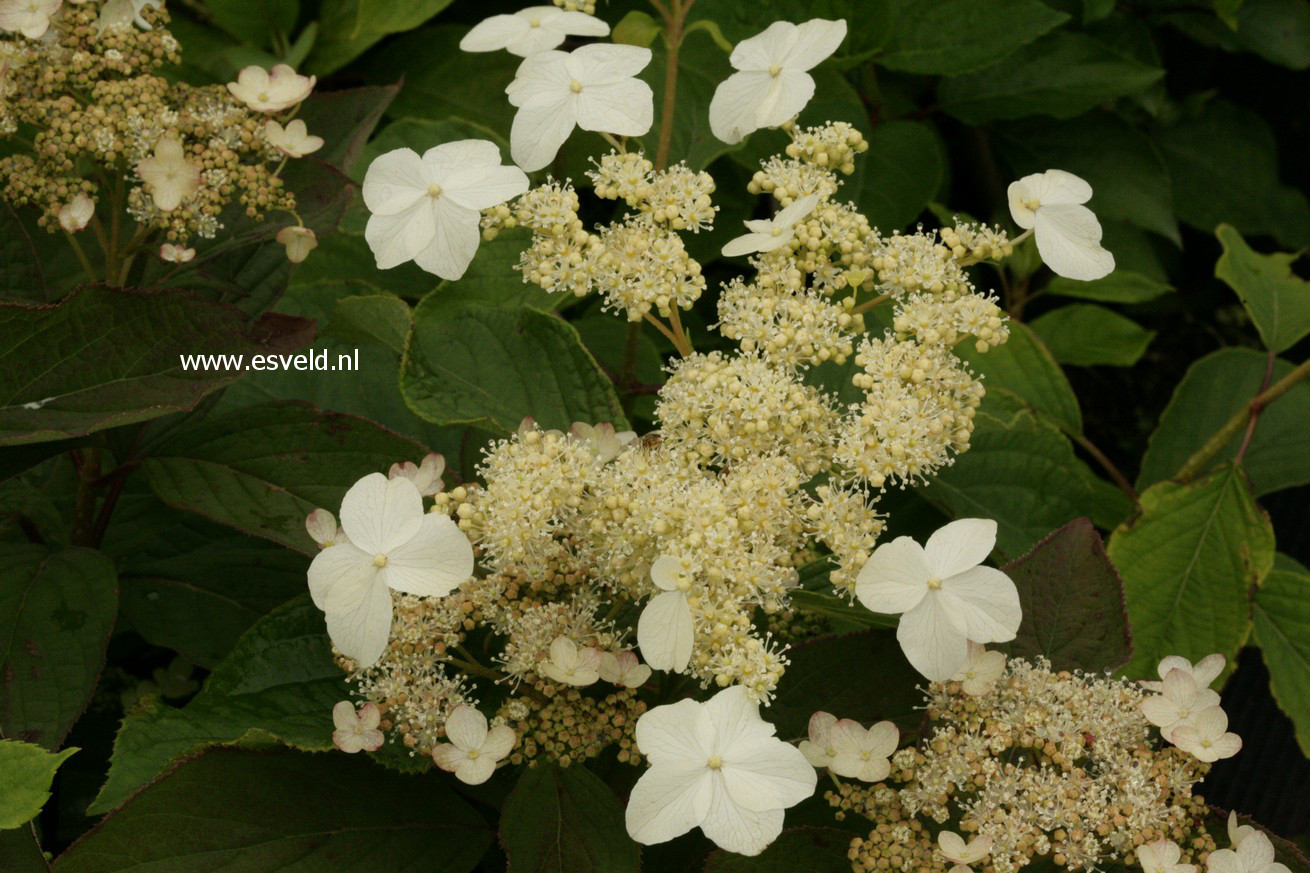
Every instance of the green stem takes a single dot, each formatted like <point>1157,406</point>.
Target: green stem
<point>675,16</point>
<point>84,509</point>
<point>1109,466</point>
<point>81,257</point>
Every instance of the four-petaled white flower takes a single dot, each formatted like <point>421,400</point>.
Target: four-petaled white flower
<point>473,750</point>
<point>605,441</point>
<point>570,665</point>
<point>356,731</point>
<point>945,598</point>
<point>1255,854</point>
<point>171,177</point>
<point>717,766</point>
<point>298,241</point>
<point>271,90</point>
<point>322,528</point>
<point>1161,856</point>
<point>1237,832</point>
<point>1207,738</point>
<point>847,749</point>
<point>76,213</point>
<point>176,254</point>
<point>426,474</point>
<point>531,30</point>
<point>980,671</point>
<point>428,209</point>
<point>1204,671</point>
<point>1068,234</point>
<point>623,668</point>
<point>31,18</point>
<point>664,629</point>
<point>593,87</point>
<point>294,140</point>
<point>954,850</point>
<point>393,543</point>
<point>773,82</point>
<point>1181,700</point>
<point>767,234</point>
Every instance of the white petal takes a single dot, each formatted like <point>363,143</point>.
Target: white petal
<point>533,40</point>
<point>1208,669</point>
<point>359,621</point>
<point>739,830</point>
<point>959,545</point>
<point>475,771</point>
<point>348,741</point>
<point>343,716</point>
<point>379,514</point>
<point>540,129</point>
<point>933,640</point>
<point>800,208</point>
<point>736,102</point>
<point>434,562</point>
<point>576,23</point>
<point>397,238</point>
<point>820,727</point>
<point>1224,861</point>
<point>767,774</point>
<point>750,243</point>
<point>480,188</point>
<point>883,739</point>
<point>816,40</point>
<point>991,612</point>
<point>676,732</point>
<point>1056,187</point>
<point>448,756</point>
<point>394,182</point>
<point>1257,852</point>
<point>1023,202</point>
<point>494,33</point>
<point>601,63</point>
<point>454,241</point>
<point>895,578</point>
<point>541,78</point>
<point>466,727</point>
<point>763,50</point>
<point>1068,239</point>
<point>736,719</point>
<point>1159,710</point>
<point>626,108</point>
<point>339,565</point>
<point>370,716</point>
<point>499,742</point>
<point>666,573</point>
<point>668,801</point>
<point>1173,662</point>
<point>791,92</point>
<point>665,632</point>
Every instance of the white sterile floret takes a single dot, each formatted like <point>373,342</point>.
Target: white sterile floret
<point>356,731</point>
<point>170,176</point>
<point>1179,702</point>
<point>322,528</point>
<point>593,87</point>
<point>980,671</point>
<point>1204,671</point>
<point>623,668</point>
<point>393,544</point>
<point>945,598</point>
<point>531,30</point>
<point>664,630</point>
<point>953,848</point>
<point>1207,738</point>
<point>768,234</point>
<point>271,90</point>
<point>426,474</point>
<point>294,140</point>
<point>473,750</point>
<point>176,254</point>
<point>859,753</point>
<point>772,83</point>
<point>603,439</point>
<point>570,665</point>
<point>76,213</point>
<point>31,18</point>
<point>1255,854</point>
<point>1068,234</point>
<point>1162,856</point>
<point>716,766</point>
<point>427,209</point>
<point>298,241</point>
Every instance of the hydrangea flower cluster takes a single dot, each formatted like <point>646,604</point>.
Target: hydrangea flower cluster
<point>84,79</point>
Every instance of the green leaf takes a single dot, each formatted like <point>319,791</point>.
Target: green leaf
<point>1025,366</point>
<point>901,172</point>
<point>1224,164</point>
<point>565,820</point>
<point>819,678</point>
<point>836,610</point>
<point>279,684</point>
<point>346,119</point>
<point>1277,299</point>
<point>263,468</point>
<point>1062,75</point>
<point>377,318</point>
<point>473,364</point>
<point>285,812</point>
<point>812,850</point>
<point>1214,389</point>
<point>1085,335</point>
<point>347,28</point>
<point>637,28</point>
<point>1117,160</point>
<point>1073,602</point>
<point>950,37</point>
<point>1121,286</point>
<point>20,851</point>
<point>491,279</point>
<point>26,771</point>
<point>255,21</point>
<point>98,359</point>
<point>1282,631</point>
<point>56,611</point>
<point>1189,562</point>
<point>1277,30</point>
